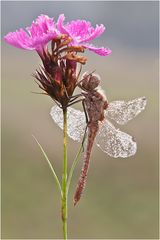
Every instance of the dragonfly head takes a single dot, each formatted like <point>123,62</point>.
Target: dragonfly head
<point>90,81</point>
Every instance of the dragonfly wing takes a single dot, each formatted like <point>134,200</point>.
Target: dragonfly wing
<point>122,112</point>
<point>75,119</point>
<point>115,142</point>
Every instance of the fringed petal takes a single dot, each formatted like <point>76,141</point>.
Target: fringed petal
<point>98,50</point>
<point>39,34</point>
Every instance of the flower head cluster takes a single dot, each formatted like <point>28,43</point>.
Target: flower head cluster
<point>58,77</point>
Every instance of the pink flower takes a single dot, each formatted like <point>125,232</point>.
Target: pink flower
<point>36,36</point>
<point>81,32</point>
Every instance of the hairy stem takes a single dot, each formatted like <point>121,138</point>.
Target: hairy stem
<point>64,176</point>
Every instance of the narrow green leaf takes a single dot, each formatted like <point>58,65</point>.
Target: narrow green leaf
<point>50,165</point>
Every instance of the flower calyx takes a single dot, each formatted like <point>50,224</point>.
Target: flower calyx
<point>58,77</point>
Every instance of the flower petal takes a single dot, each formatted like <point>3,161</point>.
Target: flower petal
<point>99,50</point>
<point>79,30</point>
<point>82,32</point>
<point>95,33</point>
<point>60,26</point>
<point>42,31</point>
<point>39,34</point>
<point>19,39</point>
<point>42,25</point>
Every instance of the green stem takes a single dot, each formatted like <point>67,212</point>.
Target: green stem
<point>64,176</point>
<point>73,167</point>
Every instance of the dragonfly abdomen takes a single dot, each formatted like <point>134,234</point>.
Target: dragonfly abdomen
<point>92,132</point>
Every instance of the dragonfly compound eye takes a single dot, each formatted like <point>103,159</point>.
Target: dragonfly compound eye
<point>94,81</point>
<point>90,81</point>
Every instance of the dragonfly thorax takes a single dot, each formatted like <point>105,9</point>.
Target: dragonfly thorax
<point>95,104</point>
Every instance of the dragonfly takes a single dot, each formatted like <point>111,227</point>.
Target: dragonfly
<point>94,122</point>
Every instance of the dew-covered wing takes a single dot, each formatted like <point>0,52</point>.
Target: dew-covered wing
<point>75,119</point>
<point>115,142</point>
<point>122,111</point>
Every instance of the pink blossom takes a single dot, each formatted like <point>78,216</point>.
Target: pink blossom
<point>36,36</point>
<point>81,32</point>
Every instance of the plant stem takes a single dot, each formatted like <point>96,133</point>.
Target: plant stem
<point>64,176</point>
<point>73,167</point>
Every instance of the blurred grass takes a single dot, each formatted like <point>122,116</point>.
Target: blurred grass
<point>121,198</point>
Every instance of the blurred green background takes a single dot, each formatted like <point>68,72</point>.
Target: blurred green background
<point>121,198</point>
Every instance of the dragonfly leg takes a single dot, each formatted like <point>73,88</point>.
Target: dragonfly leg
<point>78,83</point>
<point>87,121</point>
<point>84,137</point>
<point>77,95</point>
<point>85,111</point>
<point>70,97</point>
<point>73,98</point>
<point>70,104</point>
